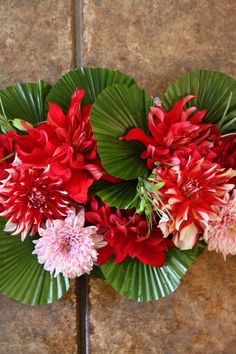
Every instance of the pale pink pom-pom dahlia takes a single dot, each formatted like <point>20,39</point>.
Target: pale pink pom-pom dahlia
<point>67,247</point>
<point>221,234</point>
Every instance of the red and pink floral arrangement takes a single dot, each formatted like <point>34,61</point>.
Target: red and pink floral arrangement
<point>124,182</point>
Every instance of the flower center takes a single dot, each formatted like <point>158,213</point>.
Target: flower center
<point>37,198</point>
<point>66,246</point>
<point>82,146</point>
<point>76,146</point>
<point>190,188</point>
<point>232,227</point>
<point>68,239</point>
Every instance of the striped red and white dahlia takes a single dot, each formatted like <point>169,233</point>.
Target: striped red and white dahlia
<point>191,192</point>
<point>29,197</point>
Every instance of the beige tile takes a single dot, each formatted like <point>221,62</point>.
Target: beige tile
<point>36,42</point>
<point>47,329</point>
<point>36,39</point>
<point>199,317</point>
<point>156,41</point>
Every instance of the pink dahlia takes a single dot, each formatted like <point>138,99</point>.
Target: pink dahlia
<point>221,233</point>
<point>67,247</point>
<point>174,134</point>
<point>29,197</point>
<point>190,194</point>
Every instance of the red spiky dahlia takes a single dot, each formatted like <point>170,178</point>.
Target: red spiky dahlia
<point>29,197</point>
<point>66,143</point>
<point>190,194</point>
<point>175,135</point>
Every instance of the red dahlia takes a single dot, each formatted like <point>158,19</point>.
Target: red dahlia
<point>6,149</point>
<point>174,134</point>
<point>66,143</point>
<point>127,235</point>
<point>29,197</point>
<point>226,152</point>
<point>190,193</point>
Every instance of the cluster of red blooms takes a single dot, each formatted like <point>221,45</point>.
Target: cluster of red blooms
<point>195,165</point>
<point>54,165</point>
<point>127,234</point>
<point>56,162</point>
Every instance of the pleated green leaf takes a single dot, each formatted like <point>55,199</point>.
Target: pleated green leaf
<point>92,80</point>
<point>22,278</point>
<point>142,283</point>
<point>24,101</point>
<point>215,91</point>
<point>119,195</point>
<point>116,110</point>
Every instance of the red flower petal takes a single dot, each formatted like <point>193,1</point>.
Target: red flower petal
<point>56,117</point>
<point>77,186</point>
<point>139,135</point>
<point>104,254</point>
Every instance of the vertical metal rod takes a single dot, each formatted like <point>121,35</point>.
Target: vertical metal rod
<point>82,315</point>
<point>82,288</point>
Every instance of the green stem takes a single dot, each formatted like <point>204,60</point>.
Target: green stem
<point>225,112</point>
<point>8,156</point>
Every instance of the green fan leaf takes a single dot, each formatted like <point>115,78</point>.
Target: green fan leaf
<point>22,278</point>
<point>92,80</point>
<point>215,91</point>
<point>143,283</point>
<point>119,195</point>
<point>24,101</point>
<point>116,110</point>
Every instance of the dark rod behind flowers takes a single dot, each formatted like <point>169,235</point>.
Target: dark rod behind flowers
<point>82,315</point>
<point>82,287</point>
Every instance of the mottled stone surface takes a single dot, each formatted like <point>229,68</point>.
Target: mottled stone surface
<point>156,41</point>
<point>36,39</point>
<point>47,329</point>
<point>36,42</point>
<point>198,318</point>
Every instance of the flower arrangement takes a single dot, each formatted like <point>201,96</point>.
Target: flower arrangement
<point>98,177</point>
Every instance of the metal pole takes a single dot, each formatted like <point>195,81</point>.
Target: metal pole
<point>82,289</point>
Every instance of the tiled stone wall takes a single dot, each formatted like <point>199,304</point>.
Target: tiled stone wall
<point>156,41</point>
<point>36,39</point>
<point>198,318</point>
<point>36,42</point>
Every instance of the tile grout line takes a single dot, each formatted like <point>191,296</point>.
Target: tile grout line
<point>78,32</point>
<point>82,309</point>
